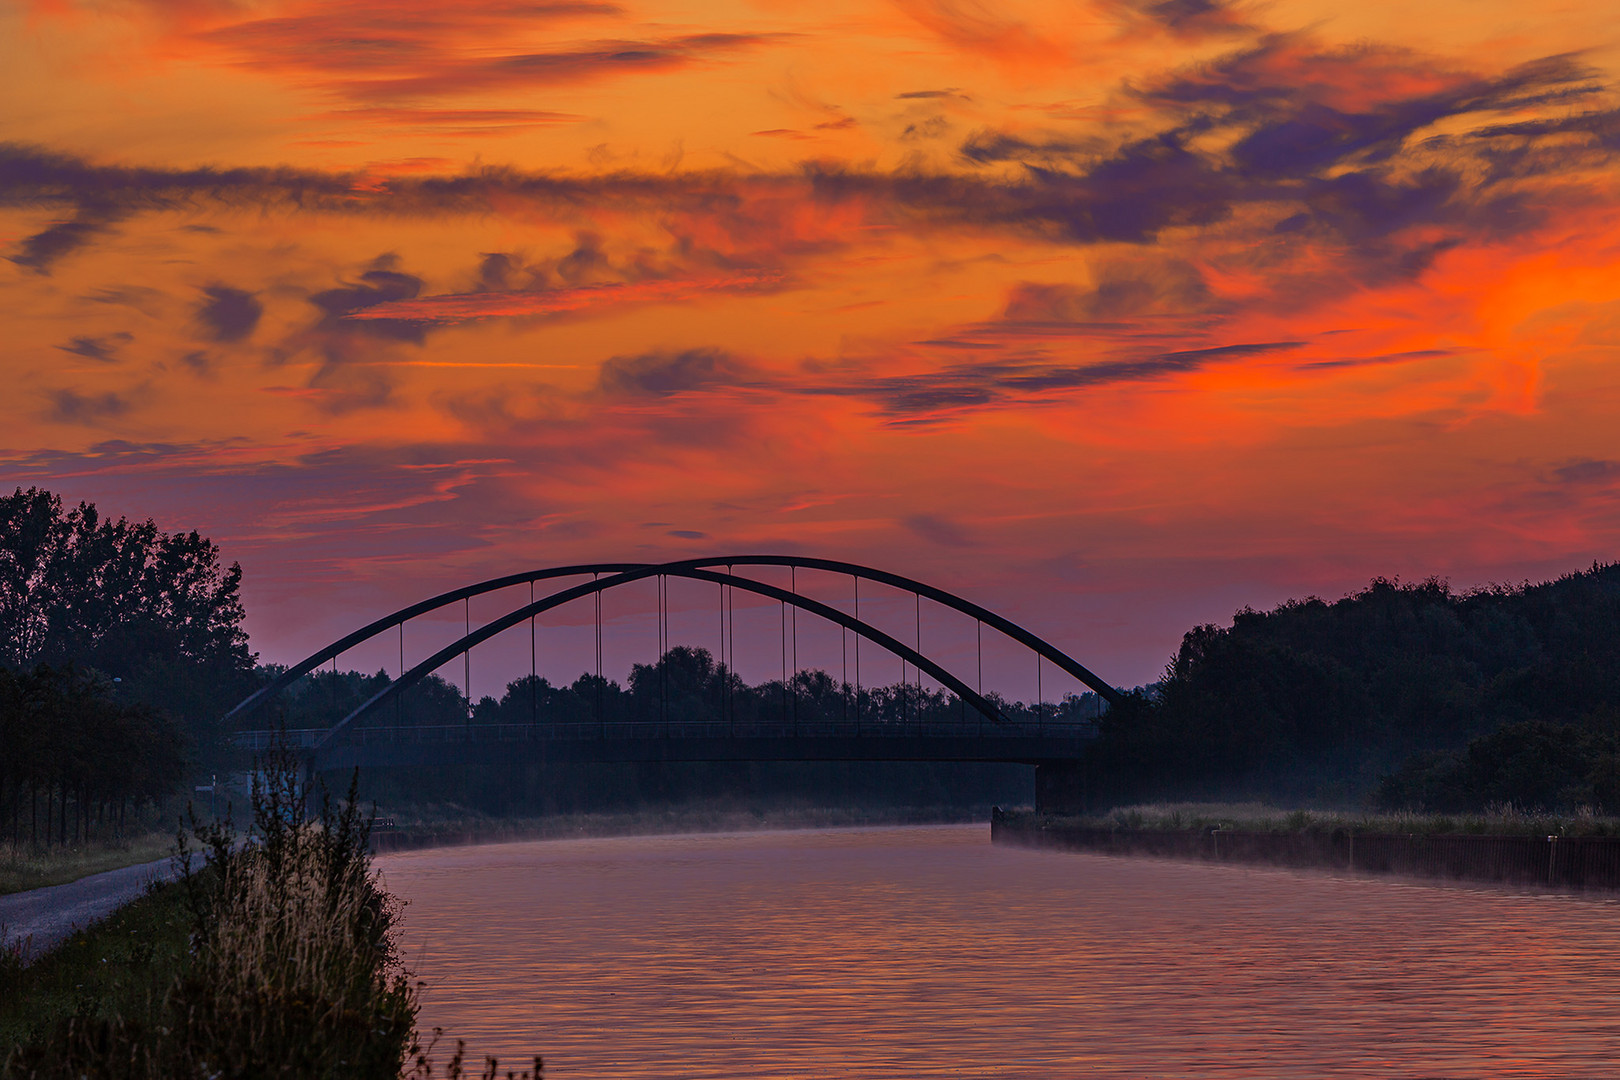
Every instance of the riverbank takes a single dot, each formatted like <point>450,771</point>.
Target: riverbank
<point>1258,817</point>
<point>409,830</point>
<point>1565,859</point>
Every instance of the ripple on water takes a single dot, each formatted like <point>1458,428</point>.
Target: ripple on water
<point>926,952</point>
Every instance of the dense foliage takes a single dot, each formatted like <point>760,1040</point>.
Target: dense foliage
<point>1414,693</point>
<point>73,744</point>
<point>155,611</point>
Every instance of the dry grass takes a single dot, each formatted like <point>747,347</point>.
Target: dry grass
<point>289,929</point>
<point>23,868</point>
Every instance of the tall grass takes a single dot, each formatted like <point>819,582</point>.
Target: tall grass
<point>294,968</point>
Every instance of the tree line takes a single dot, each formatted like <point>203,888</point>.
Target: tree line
<point>685,685</point>
<point>1404,695</point>
<point>157,611</point>
<point>73,749</point>
<point>120,647</point>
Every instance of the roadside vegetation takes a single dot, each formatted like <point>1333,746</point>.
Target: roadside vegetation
<point>23,867</point>
<point>273,957</point>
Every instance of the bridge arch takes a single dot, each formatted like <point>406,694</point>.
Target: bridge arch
<point>967,607</point>
<point>411,611</point>
<point>696,573</point>
<point>1040,646</point>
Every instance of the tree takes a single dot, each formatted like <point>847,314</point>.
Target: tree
<point>156,611</point>
<point>77,588</point>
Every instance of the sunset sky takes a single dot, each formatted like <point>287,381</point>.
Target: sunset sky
<point>1112,315</point>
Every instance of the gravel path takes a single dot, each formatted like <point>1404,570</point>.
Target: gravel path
<point>40,918</point>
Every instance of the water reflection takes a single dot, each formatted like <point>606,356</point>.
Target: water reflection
<point>924,952</point>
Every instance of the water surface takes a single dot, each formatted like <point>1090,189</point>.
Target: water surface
<point>926,952</point>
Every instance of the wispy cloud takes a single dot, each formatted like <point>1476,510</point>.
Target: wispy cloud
<point>103,348</point>
<point>69,406</point>
<point>940,394</point>
<point>463,307</point>
<point>660,375</point>
<point>1321,142</point>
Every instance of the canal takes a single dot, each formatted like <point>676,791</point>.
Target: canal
<point>926,952</point>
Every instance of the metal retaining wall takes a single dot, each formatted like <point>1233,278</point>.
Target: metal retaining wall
<point>1559,862</point>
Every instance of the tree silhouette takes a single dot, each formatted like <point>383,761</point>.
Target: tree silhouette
<point>156,611</point>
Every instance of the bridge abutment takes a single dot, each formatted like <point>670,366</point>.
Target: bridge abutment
<point>1060,788</point>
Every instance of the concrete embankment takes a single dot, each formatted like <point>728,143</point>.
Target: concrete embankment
<point>1585,862</point>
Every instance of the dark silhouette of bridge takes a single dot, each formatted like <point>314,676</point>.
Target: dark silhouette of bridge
<point>979,730</point>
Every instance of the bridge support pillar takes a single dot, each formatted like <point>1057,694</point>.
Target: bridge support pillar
<point>1060,788</point>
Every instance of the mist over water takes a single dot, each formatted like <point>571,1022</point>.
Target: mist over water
<point>925,951</point>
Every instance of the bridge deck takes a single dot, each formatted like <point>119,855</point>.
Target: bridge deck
<point>382,747</point>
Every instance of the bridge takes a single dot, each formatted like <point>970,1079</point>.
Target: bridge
<point>976,728</point>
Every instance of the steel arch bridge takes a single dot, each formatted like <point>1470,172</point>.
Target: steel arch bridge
<point>1053,747</point>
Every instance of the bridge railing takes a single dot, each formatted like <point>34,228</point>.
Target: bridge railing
<point>306,738</point>
<point>294,738</point>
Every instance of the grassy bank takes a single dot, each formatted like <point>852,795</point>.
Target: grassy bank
<point>120,967</point>
<point>276,958</point>
<point>23,868</point>
<point>1259,818</point>
<point>1504,847</point>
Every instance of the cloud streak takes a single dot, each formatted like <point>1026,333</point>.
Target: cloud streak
<point>447,308</point>
<point>1324,140</point>
<point>927,397</point>
<point>379,53</point>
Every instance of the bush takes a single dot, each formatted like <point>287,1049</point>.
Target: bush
<point>1530,763</point>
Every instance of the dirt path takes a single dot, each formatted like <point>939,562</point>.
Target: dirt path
<point>40,918</point>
